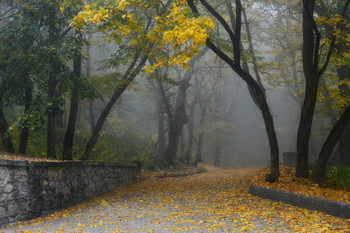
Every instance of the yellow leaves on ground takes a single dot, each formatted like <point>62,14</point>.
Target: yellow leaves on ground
<point>104,203</point>
<point>288,182</point>
<point>214,201</point>
<point>20,157</point>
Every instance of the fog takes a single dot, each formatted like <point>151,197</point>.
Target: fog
<point>205,113</point>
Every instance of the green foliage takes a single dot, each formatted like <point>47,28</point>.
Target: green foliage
<point>131,145</point>
<point>338,178</point>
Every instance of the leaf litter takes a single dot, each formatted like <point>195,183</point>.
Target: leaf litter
<point>214,201</point>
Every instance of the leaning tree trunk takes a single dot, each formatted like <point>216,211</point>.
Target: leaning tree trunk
<point>126,81</point>
<point>7,145</point>
<point>271,133</point>
<point>344,145</point>
<point>304,131</point>
<point>67,152</point>
<point>329,145</point>
<point>25,130</point>
<point>256,90</point>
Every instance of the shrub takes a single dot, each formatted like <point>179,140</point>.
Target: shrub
<point>338,178</point>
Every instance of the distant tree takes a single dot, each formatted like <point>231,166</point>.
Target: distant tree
<point>141,30</point>
<point>178,117</point>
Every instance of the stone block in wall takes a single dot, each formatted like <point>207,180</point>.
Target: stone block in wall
<point>2,211</point>
<point>5,176</point>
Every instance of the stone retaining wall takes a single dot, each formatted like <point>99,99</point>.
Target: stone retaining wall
<point>32,189</point>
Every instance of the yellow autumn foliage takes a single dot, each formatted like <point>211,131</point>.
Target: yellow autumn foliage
<point>164,24</point>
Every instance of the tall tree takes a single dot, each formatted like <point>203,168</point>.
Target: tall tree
<point>256,90</point>
<point>7,145</point>
<point>313,70</point>
<point>67,152</point>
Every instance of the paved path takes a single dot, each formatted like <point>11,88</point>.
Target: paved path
<point>216,201</point>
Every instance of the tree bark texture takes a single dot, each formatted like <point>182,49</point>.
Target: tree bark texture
<point>25,130</point>
<point>51,93</point>
<point>67,152</point>
<point>190,125</point>
<point>329,145</point>
<point>161,127</point>
<point>88,74</point>
<point>344,142</point>
<point>183,145</point>
<point>200,136</point>
<point>310,66</point>
<point>218,143</point>
<point>177,120</point>
<point>51,119</point>
<point>7,145</point>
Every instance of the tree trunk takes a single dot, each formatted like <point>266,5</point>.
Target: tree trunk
<point>190,125</point>
<point>88,74</point>
<point>218,143</point>
<point>218,151</point>
<point>271,133</point>
<point>178,120</point>
<point>183,145</point>
<point>235,64</point>
<point>25,130</point>
<point>67,152</point>
<point>329,145</point>
<point>7,145</point>
<point>161,128</point>
<point>344,145</point>
<point>200,136</point>
<point>51,93</point>
<point>51,119</point>
<point>92,114</point>
<point>59,120</point>
<point>312,79</point>
<point>127,79</point>
<point>303,137</point>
